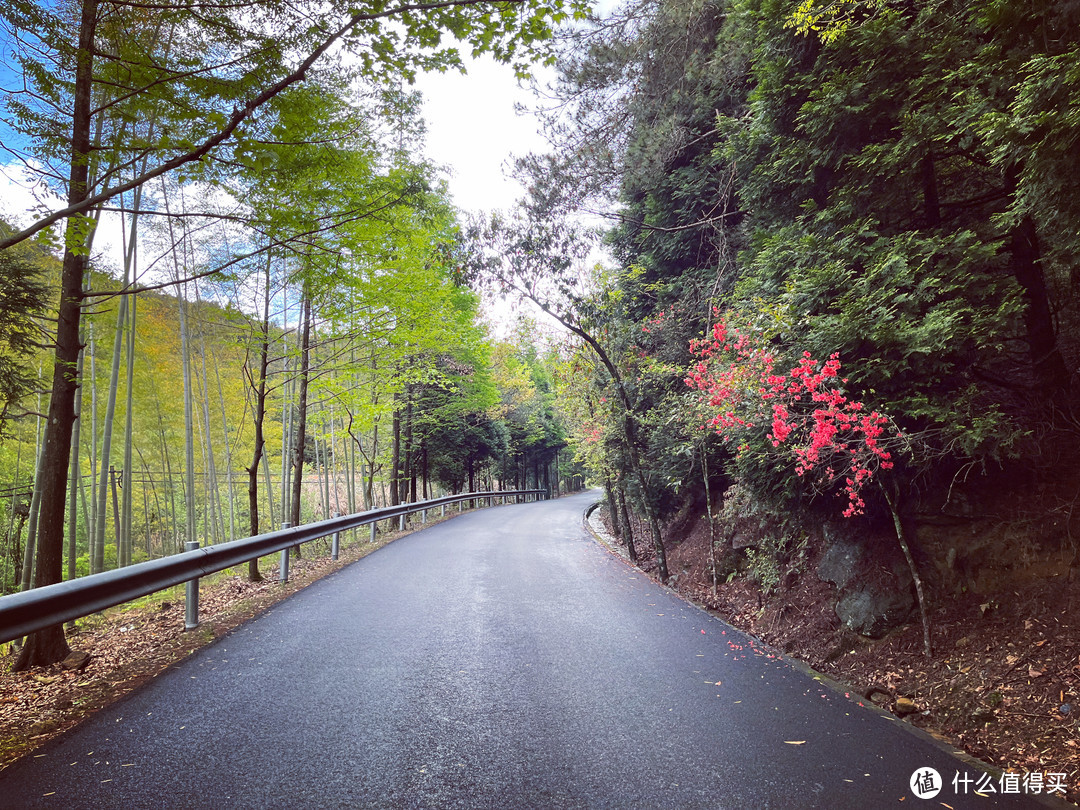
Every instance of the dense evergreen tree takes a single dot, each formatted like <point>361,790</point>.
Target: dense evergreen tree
<point>880,180</point>
<point>24,277</point>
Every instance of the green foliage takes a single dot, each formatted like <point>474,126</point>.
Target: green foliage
<point>24,298</point>
<point>885,181</point>
<point>82,563</point>
<point>178,92</point>
<point>775,538</point>
<point>891,306</point>
<point>831,19</point>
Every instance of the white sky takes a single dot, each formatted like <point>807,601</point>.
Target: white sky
<point>474,130</point>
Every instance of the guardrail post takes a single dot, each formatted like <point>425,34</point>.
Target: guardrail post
<point>283,566</point>
<point>423,515</point>
<point>374,523</point>
<point>335,545</point>
<point>443,511</point>
<point>401,523</point>
<point>191,594</point>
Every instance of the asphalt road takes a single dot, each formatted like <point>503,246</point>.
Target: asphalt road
<point>501,659</point>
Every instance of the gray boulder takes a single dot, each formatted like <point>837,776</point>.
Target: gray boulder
<point>841,561</point>
<point>872,610</point>
<point>873,595</point>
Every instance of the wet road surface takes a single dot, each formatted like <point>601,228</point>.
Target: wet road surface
<point>501,659</point>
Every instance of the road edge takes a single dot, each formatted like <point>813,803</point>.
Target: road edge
<point>842,689</point>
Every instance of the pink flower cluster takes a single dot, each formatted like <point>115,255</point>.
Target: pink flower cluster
<point>829,435</point>
<point>659,322</point>
<point>592,433</point>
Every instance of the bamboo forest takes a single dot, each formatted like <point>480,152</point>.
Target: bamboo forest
<point>282,332</point>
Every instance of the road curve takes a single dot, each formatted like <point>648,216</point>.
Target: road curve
<point>501,659</point>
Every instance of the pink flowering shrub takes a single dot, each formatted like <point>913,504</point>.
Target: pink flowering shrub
<point>745,389</point>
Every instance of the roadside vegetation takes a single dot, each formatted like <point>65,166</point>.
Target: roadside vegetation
<point>839,321</point>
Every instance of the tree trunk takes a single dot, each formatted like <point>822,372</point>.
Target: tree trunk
<point>190,532</point>
<point>410,454</point>
<point>423,470</point>
<point>332,472</point>
<point>1026,264</point>
<point>286,412</point>
<point>170,488</point>
<point>301,414</point>
<point>369,491</point>
<point>627,524</point>
<point>30,548</point>
<point>286,439</point>
<point>213,494</point>
<point>709,514</point>
<point>320,475</point>
<point>113,483</point>
<point>269,487</point>
<point>49,646</point>
<point>97,559</point>
<point>230,494</point>
<point>395,456</point>
<point>613,508</point>
<point>326,475</point>
<point>91,526</point>
<point>73,480</point>
<point>893,499</point>
<point>125,553</point>
<point>124,547</point>
<point>259,388</point>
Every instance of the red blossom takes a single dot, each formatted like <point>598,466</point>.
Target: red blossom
<point>805,406</point>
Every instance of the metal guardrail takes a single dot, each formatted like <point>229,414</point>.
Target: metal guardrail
<point>29,611</point>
